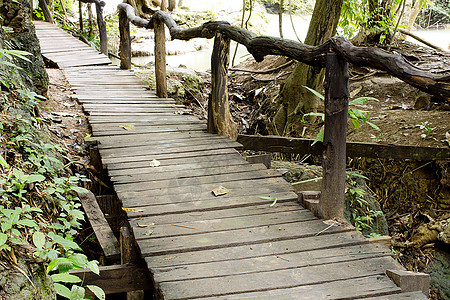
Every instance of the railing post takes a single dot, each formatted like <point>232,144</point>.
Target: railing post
<point>160,58</point>
<point>220,120</point>
<point>334,143</point>
<point>80,13</point>
<point>102,27</point>
<point>47,14</point>
<point>125,41</point>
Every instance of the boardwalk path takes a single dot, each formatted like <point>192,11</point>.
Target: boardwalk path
<point>195,244</point>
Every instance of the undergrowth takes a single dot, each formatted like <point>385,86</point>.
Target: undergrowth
<point>40,212</point>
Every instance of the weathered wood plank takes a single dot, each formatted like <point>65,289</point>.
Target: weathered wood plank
<point>264,281</point>
<point>402,296</point>
<point>187,174</point>
<point>295,245</point>
<point>267,263</point>
<point>233,160</point>
<point>193,181</point>
<point>178,145</point>
<point>152,129</point>
<point>355,288</point>
<point>230,238</point>
<point>195,209</point>
<point>175,158</point>
<point>175,194</point>
<point>102,230</point>
<point>277,216</point>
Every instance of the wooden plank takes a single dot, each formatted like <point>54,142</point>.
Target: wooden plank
<point>224,239</point>
<point>111,141</point>
<point>402,296</point>
<point>171,159</point>
<point>116,278</point>
<point>268,263</point>
<point>102,230</point>
<point>278,279</point>
<point>168,149</point>
<point>195,209</point>
<point>354,288</point>
<point>157,145</point>
<point>280,248</point>
<point>187,174</point>
<point>251,207</point>
<point>233,160</point>
<point>153,129</point>
<point>304,146</point>
<point>187,182</point>
<point>160,119</point>
<point>185,229</point>
<point>175,194</point>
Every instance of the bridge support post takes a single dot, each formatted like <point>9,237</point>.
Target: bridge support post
<point>334,143</point>
<point>125,41</point>
<point>102,27</point>
<point>220,120</point>
<point>160,59</point>
<point>128,253</point>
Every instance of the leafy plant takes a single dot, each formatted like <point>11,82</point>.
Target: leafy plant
<point>426,125</point>
<point>355,115</point>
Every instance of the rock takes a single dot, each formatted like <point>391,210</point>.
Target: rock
<point>15,14</point>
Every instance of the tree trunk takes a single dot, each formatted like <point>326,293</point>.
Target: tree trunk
<point>172,5</point>
<point>180,3</point>
<point>90,19</point>
<point>143,8</point>
<point>220,120</point>
<point>280,18</point>
<point>47,14</point>
<point>295,100</point>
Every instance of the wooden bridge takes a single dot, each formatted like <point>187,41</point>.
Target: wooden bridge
<point>195,244</point>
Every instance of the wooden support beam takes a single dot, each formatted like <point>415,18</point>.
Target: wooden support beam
<point>220,120</point>
<point>102,27</point>
<point>334,141</point>
<point>125,41</point>
<point>47,13</point>
<point>80,14</point>
<point>102,230</point>
<point>304,146</point>
<point>129,254</point>
<point>160,59</point>
<point>117,278</point>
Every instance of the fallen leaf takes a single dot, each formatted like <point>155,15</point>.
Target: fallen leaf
<point>220,190</point>
<point>127,209</point>
<point>150,232</point>
<point>127,127</point>
<point>145,225</point>
<point>155,163</point>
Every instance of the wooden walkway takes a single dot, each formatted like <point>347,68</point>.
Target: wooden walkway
<point>197,245</point>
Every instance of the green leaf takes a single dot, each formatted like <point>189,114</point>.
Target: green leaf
<point>67,244</point>
<point>27,222</point>
<point>362,100</point>
<point>3,238</point>
<point>3,162</point>
<point>59,263</point>
<point>356,124</point>
<point>62,290</point>
<point>319,137</point>
<point>34,178</point>
<point>66,278</point>
<point>39,239</point>
<point>93,266</point>
<point>79,189</point>
<point>98,292</point>
<point>77,292</point>
<point>274,199</point>
<point>373,126</point>
<point>314,92</point>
